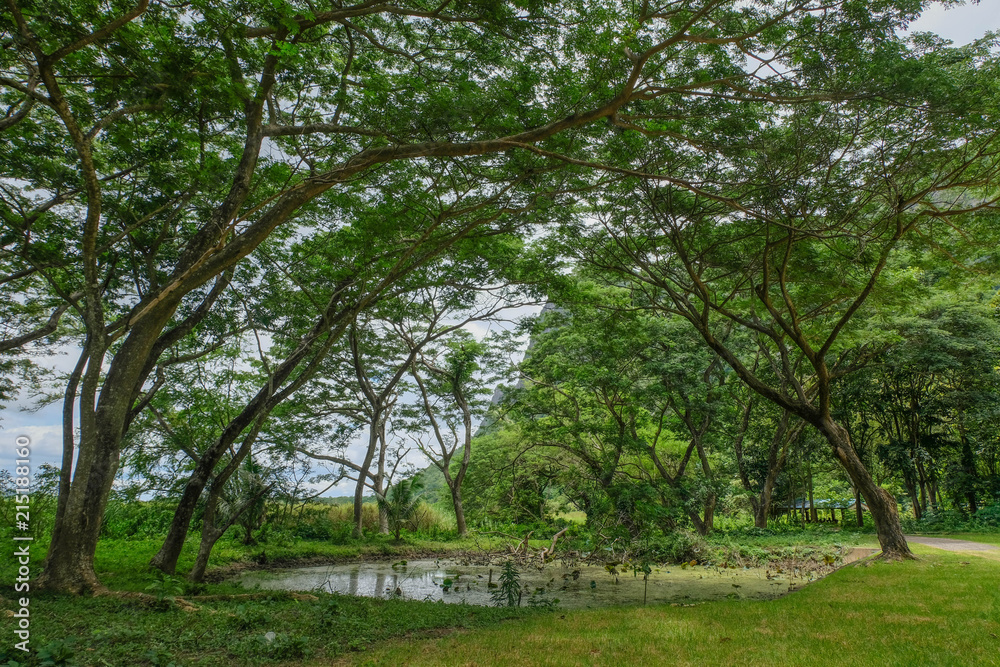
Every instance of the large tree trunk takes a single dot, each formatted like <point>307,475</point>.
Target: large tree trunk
<point>698,524</point>
<point>69,447</point>
<point>210,532</point>
<point>209,536</point>
<point>775,463</point>
<point>776,456</point>
<point>911,490</point>
<point>812,504</point>
<point>859,511</point>
<point>760,514</point>
<point>923,486</point>
<point>881,504</point>
<point>104,412</point>
<point>69,564</point>
<point>968,467</point>
<point>252,416</point>
<point>708,522</point>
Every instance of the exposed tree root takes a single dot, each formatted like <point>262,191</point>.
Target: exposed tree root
<point>146,598</point>
<point>301,597</point>
<point>893,556</point>
<point>884,557</point>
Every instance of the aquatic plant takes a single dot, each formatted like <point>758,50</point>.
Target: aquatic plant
<point>508,591</point>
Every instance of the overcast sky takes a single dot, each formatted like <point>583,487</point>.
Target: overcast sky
<point>960,24</point>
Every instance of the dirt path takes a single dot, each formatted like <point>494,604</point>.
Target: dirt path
<point>951,545</point>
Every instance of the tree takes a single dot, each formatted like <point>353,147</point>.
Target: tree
<point>387,342</point>
<point>332,278</point>
<point>635,402</point>
<point>508,480</point>
<point>789,240</point>
<point>454,384</point>
<point>758,472</point>
<point>152,149</point>
<point>930,392</point>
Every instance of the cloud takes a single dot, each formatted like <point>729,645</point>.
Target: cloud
<point>46,445</point>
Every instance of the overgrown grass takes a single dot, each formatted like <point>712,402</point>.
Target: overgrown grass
<point>943,609</point>
<point>325,521</point>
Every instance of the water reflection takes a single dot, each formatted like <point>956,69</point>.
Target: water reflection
<point>574,587</point>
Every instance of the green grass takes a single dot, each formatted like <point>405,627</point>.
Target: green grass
<point>934,611</point>
<point>574,516</point>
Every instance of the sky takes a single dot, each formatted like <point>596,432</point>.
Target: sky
<point>960,24</point>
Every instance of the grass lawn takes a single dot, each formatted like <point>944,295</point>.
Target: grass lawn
<point>943,609</point>
<point>985,538</point>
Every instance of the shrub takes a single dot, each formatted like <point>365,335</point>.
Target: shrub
<point>948,521</point>
<point>677,547</point>
<point>127,519</point>
<point>989,516</point>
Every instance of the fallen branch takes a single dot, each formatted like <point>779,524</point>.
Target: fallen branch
<point>552,548</point>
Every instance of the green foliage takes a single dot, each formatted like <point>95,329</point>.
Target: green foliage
<point>275,646</point>
<point>249,616</point>
<point>57,653</point>
<point>508,591</point>
<point>165,588</point>
<point>41,506</point>
<point>160,658</point>
<point>127,518</point>
<point>986,520</point>
<point>675,547</point>
<point>400,504</point>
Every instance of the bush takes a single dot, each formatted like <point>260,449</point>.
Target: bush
<point>127,519</point>
<point>987,519</point>
<point>677,547</point>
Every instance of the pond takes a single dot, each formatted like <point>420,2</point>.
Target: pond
<point>574,586</point>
